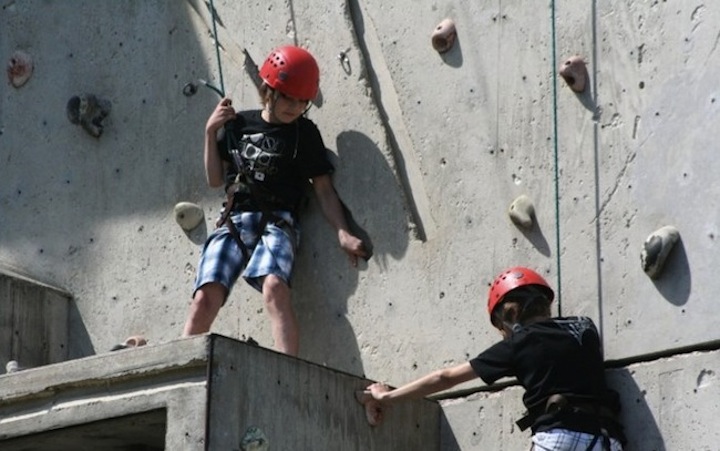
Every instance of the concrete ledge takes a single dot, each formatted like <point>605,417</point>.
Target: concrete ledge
<point>211,391</point>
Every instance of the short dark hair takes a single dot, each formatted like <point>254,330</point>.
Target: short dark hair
<point>531,301</point>
<point>264,90</point>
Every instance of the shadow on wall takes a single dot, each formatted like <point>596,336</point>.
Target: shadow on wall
<point>640,426</point>
<point>370,189</point>
<point>536,237</point>
<point>448,442</point>
<point>79,343</point>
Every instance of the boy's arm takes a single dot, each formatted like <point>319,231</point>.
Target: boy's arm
<point>332,209</point>
<point>214,167</point>
<point>431,383</point>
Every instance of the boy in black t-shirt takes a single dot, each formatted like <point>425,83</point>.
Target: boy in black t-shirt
<point>264,159</point>
<point>558,361</point>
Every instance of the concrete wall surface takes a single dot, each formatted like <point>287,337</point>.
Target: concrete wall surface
<point>430,150</point>
<point>202,393</point>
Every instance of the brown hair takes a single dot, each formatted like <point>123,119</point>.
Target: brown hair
<point>265,92</point>
<point>520,305</point>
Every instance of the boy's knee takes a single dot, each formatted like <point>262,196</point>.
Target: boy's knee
<point>275,287</point>
<point>209,296</point>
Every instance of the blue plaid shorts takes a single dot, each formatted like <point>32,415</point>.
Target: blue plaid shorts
<point>566,440</point>
<point>273,252</point>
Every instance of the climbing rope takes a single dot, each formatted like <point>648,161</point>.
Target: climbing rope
<point>558,291</point>
<point>221,89</point>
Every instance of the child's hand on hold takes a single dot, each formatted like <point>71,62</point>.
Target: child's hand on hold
<point>374,410</point>
<point>377,390</point>
<point>223,112</point>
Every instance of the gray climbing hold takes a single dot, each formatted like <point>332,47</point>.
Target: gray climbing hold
<point>13,367</point>
<point>522,212</point>
<point>574,72</point>
<point>188,215</point>
<point>444,35</point>
<point>254,440</point>
<point>88,111</point>
<point>656,248</point>
<point>19,68</point>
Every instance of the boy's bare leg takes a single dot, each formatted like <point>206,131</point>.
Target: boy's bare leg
<point>276,294</point>
<point>204,308</point>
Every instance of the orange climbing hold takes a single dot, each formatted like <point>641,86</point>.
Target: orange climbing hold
<point>19,68</point>
<point>574,72</point>
<point>443,38</point>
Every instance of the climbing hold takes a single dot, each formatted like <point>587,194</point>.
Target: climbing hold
<point>188,215</point>
<point>444,35</point>
<point>13,367</point>
<point>133,341</point>
<point>522,212</point>
<point>189,89</point>
<point>656,248</point>
<point>254,440</point>
<point>574,72</point>
<point>19,68</point>
<point>88,111</point>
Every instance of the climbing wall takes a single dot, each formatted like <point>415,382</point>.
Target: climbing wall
<point>459,158</point>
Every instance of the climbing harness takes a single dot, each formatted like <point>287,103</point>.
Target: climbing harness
<point>560,403</point>
<point>245,185</point>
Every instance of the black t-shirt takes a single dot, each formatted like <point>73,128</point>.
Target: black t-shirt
<point>555,356</point>
<point>277,158</point>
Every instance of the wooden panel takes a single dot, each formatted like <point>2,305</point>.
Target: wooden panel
<point>33,321</point>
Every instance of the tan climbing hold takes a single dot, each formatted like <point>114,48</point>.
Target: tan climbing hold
<point>19,68</point>
<point>133,341</point>
<point>188,215</point>
<point>522,212</point>
<point>444,35</point>
<point>574,72</point>
<point>88,111</point>
<point>656,249</point>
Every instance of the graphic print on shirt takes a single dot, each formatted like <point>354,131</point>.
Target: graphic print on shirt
<point>575,326</point>
<point>261,155</point>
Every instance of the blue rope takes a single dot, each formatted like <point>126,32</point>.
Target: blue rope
<point>558,291</point>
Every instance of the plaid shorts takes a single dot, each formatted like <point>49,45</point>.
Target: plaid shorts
<point>566,440</point>
<point>222,260</point>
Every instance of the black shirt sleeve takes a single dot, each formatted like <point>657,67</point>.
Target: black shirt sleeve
<point>495,362</point>
<point>312,159</point>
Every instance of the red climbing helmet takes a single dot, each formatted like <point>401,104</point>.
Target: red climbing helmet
<point>512,278</point>
<point>293,71</point>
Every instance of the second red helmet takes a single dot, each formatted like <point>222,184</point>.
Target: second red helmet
<point>293,71</point>
<point>512,278</point>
